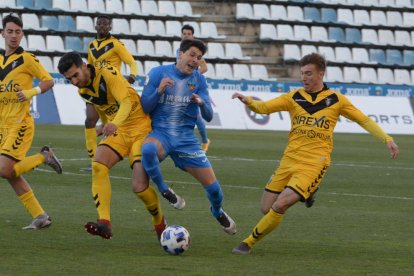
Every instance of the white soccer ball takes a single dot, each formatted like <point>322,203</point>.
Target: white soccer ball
<point>175,239</point>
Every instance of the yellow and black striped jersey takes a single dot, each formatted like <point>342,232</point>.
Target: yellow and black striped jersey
<point>17,70</point>
<point>107,89</point>
<point>110,50</point>
<point>313,119</point>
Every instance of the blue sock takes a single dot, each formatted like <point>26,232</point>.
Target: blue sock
<point>201,126</point>
<point>151,165</point>
<point>215,196</point>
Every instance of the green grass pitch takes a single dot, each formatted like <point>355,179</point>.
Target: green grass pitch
<point>361,224</point>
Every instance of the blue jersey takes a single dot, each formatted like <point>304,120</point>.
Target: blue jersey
<point>173,112</point>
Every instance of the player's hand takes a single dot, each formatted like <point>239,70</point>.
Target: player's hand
<point>241,97</point>
<point>99,130</point>
<point>25,95</point>
<point>165,82</point>
<point>393,149</point>
<point>131,79</point>
<point>109,129</point>
<point>195,98</point>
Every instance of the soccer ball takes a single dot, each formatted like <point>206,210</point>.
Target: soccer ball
<point>175,239</point>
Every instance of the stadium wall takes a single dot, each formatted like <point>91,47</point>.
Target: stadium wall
<point>393,111</point>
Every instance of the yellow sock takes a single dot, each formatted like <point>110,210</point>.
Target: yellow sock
<point>28,163</point>
<point>90,141</point>
<point>268,222</point>
<point>151,202</point>
<point>101,190</point>
<point>31,204</point>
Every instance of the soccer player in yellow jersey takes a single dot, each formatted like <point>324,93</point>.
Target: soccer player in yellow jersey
<point>314,111</point>
<point>102,50</point>
<point>18,68</point>
<point>124,130</point>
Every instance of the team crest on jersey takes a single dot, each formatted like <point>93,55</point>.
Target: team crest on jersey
<point>328,101</point>
<point>191,85</point>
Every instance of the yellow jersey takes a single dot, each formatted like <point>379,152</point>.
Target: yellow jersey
<point>17,70</point>
<point>106,90</point>
<point>313,119</point>
<point>110,50</point>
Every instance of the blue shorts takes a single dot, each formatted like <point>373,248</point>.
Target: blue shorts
<point>184,151</point>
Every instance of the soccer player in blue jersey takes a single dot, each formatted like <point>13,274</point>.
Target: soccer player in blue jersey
<point>173,96</point>
<point>187,32</point>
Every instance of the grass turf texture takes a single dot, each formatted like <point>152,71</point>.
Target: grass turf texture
<point>361,223</point>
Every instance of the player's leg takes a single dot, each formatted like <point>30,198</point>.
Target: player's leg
<point>105,158</point>
<point>214,194</point>
<point>11,153</point>
<point>153,150</point>
<point>303,181</point>
<point>201,126</point>
<point>92,118</point>
<point>142,189</point>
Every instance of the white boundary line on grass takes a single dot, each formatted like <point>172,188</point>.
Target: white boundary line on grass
<point>233,186</point>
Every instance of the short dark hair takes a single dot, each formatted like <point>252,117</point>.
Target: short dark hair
<point>69,59</point>
<point>103,16</point>
<point>12,18</point>
<point>187,27</point>
<point>314,58</point>
<point>188,43</point>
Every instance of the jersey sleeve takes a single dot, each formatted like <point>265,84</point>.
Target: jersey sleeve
<point>90,56</point>
<point>127,58</point>
<point>206,109</point>
<point>266,107</point>
<point>119,90</point>
<point>350,112</point>
<point>150,96</point>
<point>37,68</point>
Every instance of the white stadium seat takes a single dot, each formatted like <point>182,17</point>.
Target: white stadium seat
<point>95,5</point>
<point>55,43</point>
<point>278,12</point>
<point>261,11</point>
<point>149,7</point>
<point>259,72</point>
<point>241,72</point>
<point>163,48</point>
<point>224,71</point>
<point>132,7</point>
<point>267,31</point>
<point>149,64</point>
<point>131,45</point>
<point>291,52</point>
<point>334,74</point>
<point>328,52</point>
<point>145,48</point>
<point>166,7</point>
<point>368,75</point>
<point>244,10</point>
<point>138,26</point>
<point>211,72</point>
<point>351,74</point>
<point>114,6</point>
<point>385,76</point>
<point>120,26</point>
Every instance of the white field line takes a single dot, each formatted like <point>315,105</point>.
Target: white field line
<point>233,186</point>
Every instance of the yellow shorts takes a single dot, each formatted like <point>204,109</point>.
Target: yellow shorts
<point>127,142</point>
<point>303,178</point>
<point>16,140</point>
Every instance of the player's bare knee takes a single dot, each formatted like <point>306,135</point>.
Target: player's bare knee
<point>7,173</point>
<point>264,209</point>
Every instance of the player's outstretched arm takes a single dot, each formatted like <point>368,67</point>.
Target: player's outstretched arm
<point>241,97</point>
<point>26,95</point>
<point>393,149</point>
